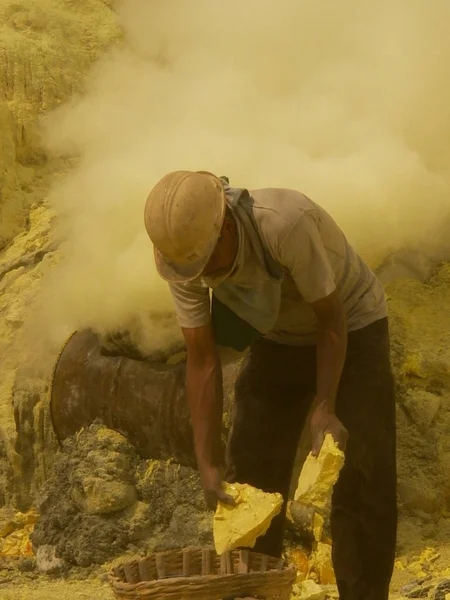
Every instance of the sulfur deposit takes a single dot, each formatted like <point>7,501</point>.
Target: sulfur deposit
<point>420,327</point>
<point>15,531</point>
<point>101,500</point>
<point>250,517</point>
<point>46,50</point>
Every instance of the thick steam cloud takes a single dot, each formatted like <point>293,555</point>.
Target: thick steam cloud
<point>347,102</point>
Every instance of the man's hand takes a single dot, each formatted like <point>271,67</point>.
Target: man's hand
<point>324,421</point>
<point>212,486</point>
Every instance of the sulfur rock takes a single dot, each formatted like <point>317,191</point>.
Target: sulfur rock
<point>47,562</point>
<point>441,591</point>
<point>322,564</point>
<point>319,474</point>
<point>318,525</point>
<point>12,521</point>
<point>17,543</point>
<point>241,525</point>
<point>15,533</point>
<point>298,557</point>
<point>309,590</point>
<point>98,496</point>
<point>400,564</point>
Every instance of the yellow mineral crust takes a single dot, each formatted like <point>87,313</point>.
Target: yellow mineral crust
<point>319,474</point>
<point>308,590</point>
<point>318,524</point>
<point>15,534</point>
<point>322,564</point>
<point>241,525</point>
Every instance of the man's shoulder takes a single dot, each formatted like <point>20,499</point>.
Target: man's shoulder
<point>277,210</point>
<point>284,201</point>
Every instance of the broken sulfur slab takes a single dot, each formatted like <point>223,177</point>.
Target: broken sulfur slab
<point>319,474</point>
<point>240,525</point>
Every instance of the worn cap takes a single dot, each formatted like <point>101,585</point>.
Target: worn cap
<point>183,216</point>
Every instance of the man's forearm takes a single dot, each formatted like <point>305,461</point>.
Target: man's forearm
<point>331,351</point>
<point>205,398</point>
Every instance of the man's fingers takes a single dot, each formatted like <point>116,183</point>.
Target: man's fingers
<point>218,495</point>
<point>225,498</point>
<point>317,445</point>
<point>341,437</point>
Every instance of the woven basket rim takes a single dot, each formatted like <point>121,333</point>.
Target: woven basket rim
<point>193,579</point>
<point>284,571</point>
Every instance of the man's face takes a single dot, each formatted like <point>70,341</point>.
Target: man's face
<point>224,254</point>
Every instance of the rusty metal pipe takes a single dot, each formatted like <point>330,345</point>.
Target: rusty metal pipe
<point>144,401</point>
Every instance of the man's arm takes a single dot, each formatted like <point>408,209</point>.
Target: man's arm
<point>303,253</point>
<point>331,351</point>
<point>205,397</point>
<point>203,383</point>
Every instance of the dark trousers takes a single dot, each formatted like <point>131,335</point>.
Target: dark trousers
<point>273,396</point>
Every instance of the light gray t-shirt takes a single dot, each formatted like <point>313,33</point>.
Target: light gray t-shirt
<point>316,259</point>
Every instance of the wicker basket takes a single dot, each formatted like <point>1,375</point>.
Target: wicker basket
<point>200,574</point>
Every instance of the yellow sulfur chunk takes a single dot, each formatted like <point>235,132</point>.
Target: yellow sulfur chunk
<point>322,564</point>
<point>17,543</point>
<point>299,557</point>
<point>240,525</point>
<point>319,474</point>
<point>318,523</point>
<point>309,590</point>
<point>18,521</point>
<point>399,564</point>
<point>429,555</point>
<point>176,359</point>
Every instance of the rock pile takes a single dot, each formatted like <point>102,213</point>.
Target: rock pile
<point>103,500</point>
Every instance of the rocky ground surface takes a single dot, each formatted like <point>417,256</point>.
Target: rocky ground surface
<point>102,501</point>
<point>424,576</point>
<point>103,505</point>
<point>46,50</point>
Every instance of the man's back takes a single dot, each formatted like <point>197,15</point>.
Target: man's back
<point>316,259</point>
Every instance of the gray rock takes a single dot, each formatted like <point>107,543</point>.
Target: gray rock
<point>26,565</point>
<point>422,407</point>
<point>441,590</point>
<point>418,496</point>
<point>47,562</point>
<point>100,497</point>
<point>418,588</point>
<point>137,520</point>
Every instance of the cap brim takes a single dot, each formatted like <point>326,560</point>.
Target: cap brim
<point>182,273</point>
